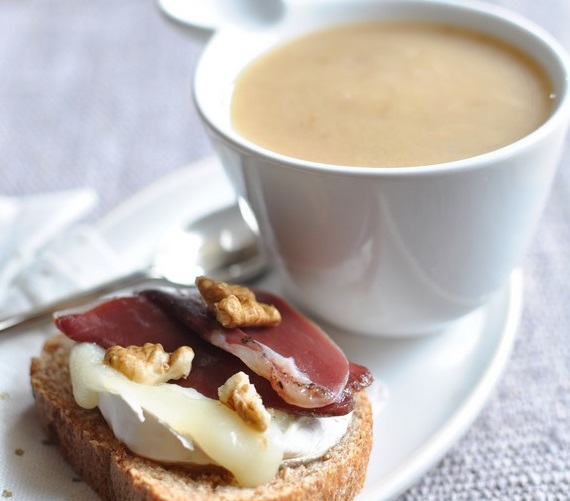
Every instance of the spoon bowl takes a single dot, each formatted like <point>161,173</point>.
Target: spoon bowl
<point>221,245</point>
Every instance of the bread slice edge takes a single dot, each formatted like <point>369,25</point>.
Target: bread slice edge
<point>85,440</point>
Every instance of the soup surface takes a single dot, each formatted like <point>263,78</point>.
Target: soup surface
<point>389,95</point>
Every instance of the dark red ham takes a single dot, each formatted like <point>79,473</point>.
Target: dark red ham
<point>135,320</point>
<point>304,366</point>
<point>124,321</point>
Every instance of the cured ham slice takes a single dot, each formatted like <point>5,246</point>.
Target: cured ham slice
<point>124,321</point>
<point>135,320</point>
<point>304,366</point>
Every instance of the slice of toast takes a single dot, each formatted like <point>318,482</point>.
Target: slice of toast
<point>115,473</point>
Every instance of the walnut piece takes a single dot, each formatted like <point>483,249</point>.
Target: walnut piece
<point>150,364</point>
<point>235,305</point>
<point>242,397</point>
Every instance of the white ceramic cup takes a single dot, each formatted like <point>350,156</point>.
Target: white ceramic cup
<point>388,251</point>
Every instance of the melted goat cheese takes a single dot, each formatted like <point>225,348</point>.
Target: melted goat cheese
<point>169,423</point>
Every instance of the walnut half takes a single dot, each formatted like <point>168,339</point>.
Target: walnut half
<point>242,397</point>
<point>150,364</point>
<point>236,305</point>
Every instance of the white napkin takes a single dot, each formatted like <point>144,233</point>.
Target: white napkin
<point>45,253</point>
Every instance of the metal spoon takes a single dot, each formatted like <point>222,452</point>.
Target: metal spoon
<point>220,245</point>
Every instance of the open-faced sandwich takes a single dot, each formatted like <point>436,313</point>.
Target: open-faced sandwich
<point>212,393</point>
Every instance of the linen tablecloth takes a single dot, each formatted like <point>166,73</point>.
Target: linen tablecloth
<point>97,93</point>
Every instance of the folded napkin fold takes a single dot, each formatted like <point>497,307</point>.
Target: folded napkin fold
<point>45,253</point>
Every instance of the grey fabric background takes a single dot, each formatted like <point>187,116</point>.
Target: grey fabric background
<point>97,93</point>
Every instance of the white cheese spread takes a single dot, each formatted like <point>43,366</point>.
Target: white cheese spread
<point>168,423</point>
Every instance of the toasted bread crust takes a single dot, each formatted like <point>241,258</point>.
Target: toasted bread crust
<point>115,473</point>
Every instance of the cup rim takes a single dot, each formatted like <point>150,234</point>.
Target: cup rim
<point>559,115</point>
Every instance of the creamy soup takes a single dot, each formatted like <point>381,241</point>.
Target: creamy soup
<point>388,95</point>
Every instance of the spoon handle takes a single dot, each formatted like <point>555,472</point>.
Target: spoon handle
<point>42,313</point>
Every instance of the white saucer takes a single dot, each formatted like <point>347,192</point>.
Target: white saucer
<point>210,15</point>
<point>432,388</point>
